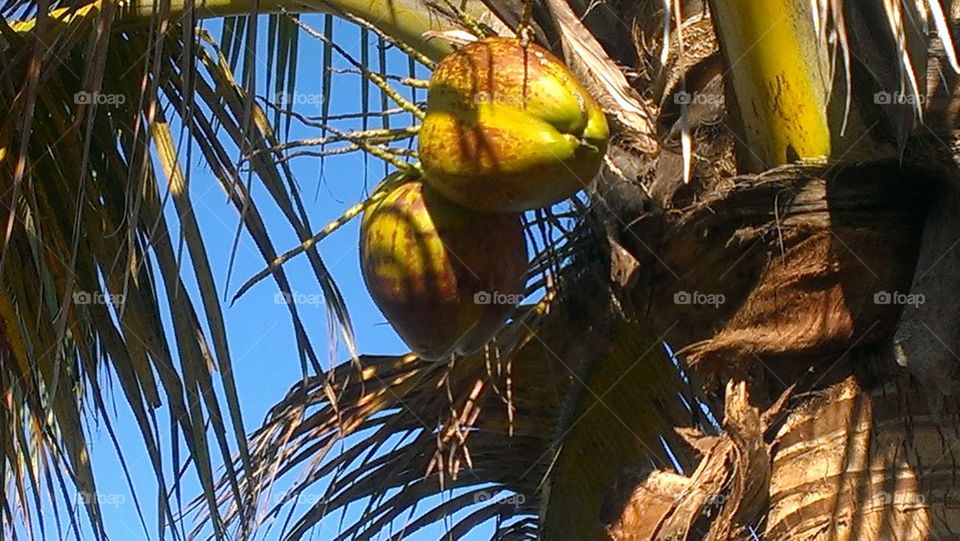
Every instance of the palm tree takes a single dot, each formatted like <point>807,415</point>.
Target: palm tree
<point>776,205</point>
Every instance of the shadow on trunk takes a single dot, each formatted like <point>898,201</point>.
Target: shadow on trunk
<point>783,292</point>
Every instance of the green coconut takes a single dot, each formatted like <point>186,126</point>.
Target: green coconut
<point>446,277</point>
<point>508,128</point>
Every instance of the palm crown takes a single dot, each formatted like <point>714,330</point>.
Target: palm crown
<point>733,125</point>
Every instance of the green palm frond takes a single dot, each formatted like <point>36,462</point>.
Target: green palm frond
<point>89,159</point>
<point>411,22</point>
<point>88,256</point>
<point>500,435</point>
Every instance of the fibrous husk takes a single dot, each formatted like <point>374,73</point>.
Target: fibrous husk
<point>508,128</point>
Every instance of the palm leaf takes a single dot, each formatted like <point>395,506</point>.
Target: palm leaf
<point>86,226</point>
<point>492,430</point>
<point>86,223</point>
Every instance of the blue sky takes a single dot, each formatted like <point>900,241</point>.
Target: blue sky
<point>259,330</point>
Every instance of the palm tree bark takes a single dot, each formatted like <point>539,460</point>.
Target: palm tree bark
<point>806,261</point>
<point>866,462</point>
<point>799,256</point>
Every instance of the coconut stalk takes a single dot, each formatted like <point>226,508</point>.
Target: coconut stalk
<point>618,423</point>
<point>776,80</point>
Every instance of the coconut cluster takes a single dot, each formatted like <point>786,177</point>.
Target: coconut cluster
<point>508,128</point>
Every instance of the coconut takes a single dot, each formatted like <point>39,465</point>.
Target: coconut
<point>446,277</point>
<point>508,128</point>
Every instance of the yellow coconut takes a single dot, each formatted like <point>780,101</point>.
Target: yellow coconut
<point>508,128</point>
<point>445,277</point>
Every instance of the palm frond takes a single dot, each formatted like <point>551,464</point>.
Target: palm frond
<point>85,222</point>
<point>491,431</point>
<point>90,268</point>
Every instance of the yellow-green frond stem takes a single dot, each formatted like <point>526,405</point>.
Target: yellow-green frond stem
<point>775,69</point>
<point>403,20</point>
<point>378,80</point>
<point>385,187</point>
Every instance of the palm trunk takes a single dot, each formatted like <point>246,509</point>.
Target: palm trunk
<point>826,436</point>
<point>777,80</point>
<point>850,445</point>
<point>863,462</point>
